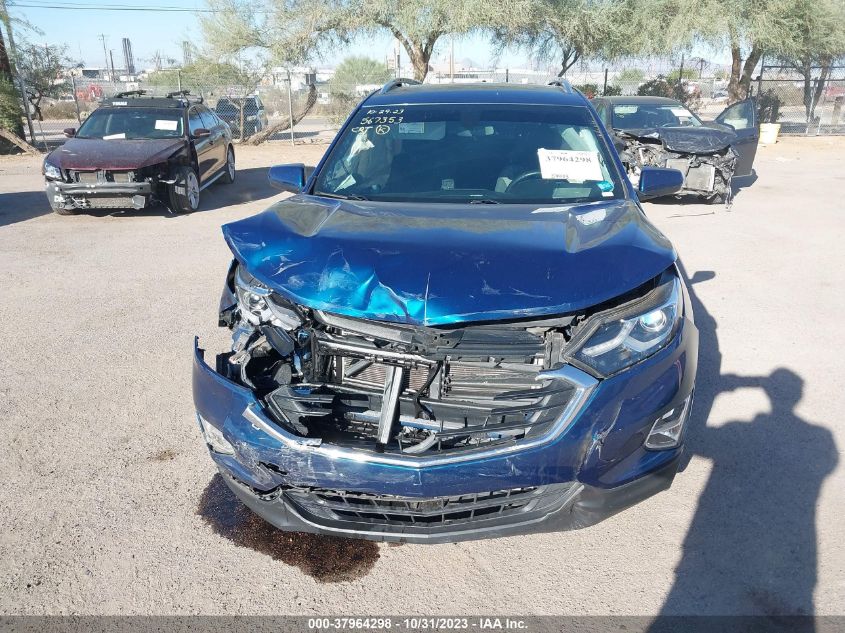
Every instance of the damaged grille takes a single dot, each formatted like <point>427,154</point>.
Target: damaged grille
<point>420,515</point>
<point>101,176</point>
<point>404,389</point>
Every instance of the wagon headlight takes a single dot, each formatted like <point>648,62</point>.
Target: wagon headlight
<point>51,172</point>
<point>621,338</point>
<point>258,304</point>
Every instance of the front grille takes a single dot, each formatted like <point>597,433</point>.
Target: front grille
<point>419,515</point>
<point>103,202</point>
<point>101,176</point>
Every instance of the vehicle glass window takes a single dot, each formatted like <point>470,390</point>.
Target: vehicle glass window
<point>258,103</point>
<point>739,116</point>
<point>639,116</point>
<point>208,121</point>
<point>132,123</point>
<point>194,120</point>
<point>601,109</point>
<point>471,152</point>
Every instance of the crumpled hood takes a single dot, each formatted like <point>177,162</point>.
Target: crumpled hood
<point>439,264</point>
<point>85,153</point>
<point>690,140</point>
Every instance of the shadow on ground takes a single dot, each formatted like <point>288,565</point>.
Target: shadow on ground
<point>21,206</point>
<point>326,558</point>
<point>250,185</point>
<point>751,546</point>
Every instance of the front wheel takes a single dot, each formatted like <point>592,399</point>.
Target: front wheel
<point>228,176</point>
<point>185,192</point>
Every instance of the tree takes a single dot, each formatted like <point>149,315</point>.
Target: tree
<point>564,31</point>
<point>353,72</point>
<point>41,67</point>
<point>294,31</point>
<point>10,110</point>
<point>817,40</point>
<point>748,28</point>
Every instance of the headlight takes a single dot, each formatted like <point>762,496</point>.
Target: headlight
<point>258,304</point>
<point>623,337</point>
<point>51,171</point>
<point>214,438</point>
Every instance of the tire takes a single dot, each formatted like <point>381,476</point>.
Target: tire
<point>184,194</point>
<point>228,176</point>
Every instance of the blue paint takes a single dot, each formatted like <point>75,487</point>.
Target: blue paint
<point>436,264</point>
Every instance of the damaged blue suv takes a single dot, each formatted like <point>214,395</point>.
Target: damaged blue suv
<point>462,325</point>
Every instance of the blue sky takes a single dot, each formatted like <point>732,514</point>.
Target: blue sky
<point>164,32</point>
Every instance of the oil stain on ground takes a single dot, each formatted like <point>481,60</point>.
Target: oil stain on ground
<point>326,558</point>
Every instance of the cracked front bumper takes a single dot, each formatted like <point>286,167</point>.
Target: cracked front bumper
<point>595,467</point>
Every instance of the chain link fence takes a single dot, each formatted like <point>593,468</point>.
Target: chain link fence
<point>249,108</point>
<point>253,107</point>
<point>807,102</point>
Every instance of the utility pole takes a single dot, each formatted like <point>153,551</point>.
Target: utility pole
<point>452,61</point>
<point>111,58</point>
<point>104,37</point>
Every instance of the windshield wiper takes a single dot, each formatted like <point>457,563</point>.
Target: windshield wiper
<point>340,196</point>
<point>484,201</point>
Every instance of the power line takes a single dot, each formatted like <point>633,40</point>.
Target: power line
<point>79,7</point>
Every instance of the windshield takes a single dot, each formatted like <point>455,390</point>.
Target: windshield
<point>132,123</point>
<point>475,153</point>
<point>640,116</point>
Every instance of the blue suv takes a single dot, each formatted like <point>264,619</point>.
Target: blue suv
<point>462,325</point>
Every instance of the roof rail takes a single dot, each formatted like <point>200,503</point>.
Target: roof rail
<point>130,93</point>
<point>396,83</point>
<point>564,84</point>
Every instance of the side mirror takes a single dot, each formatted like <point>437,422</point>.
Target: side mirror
<point>201,133</point>
<point>288,177</point>
<point>659,181</point>
<point>70,132</point>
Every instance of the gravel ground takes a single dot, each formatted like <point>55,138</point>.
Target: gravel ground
<point>109,504</point>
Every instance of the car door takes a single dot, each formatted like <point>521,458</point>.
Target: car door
<point>742,117</point>
<point>202,145</point>
<point>218,140</point>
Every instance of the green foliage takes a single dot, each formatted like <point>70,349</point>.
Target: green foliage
<point>658,87</point>
<point>565,31</point>
<point>612,91</point>
<point>770,104</point>
<point>589,90</point>
<point>296,31</point>
<point>207,75</point>
<point>40,67</point>
<point>630,76</point>
<point>354,71</point>
<point>689,74</point>
<point>10,109</point>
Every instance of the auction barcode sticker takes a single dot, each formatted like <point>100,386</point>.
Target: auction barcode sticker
<point>565,164</point>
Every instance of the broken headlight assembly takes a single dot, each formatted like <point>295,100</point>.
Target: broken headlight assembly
<point>619,338</point>
<point>258,304</point>
<point>51,172</point>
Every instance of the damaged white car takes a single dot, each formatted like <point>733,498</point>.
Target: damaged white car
<point>662,132</point>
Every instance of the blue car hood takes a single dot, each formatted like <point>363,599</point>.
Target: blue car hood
<point>438,264</point>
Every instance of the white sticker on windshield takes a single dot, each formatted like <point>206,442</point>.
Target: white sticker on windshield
<point>113,137</point>
<point>564,164</point>
<point>416,127</point>
<point>681,112</point>
<point>624,109</point>
<point>164,124</point>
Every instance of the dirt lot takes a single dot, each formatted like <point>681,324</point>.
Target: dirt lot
<point>110,505</point>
